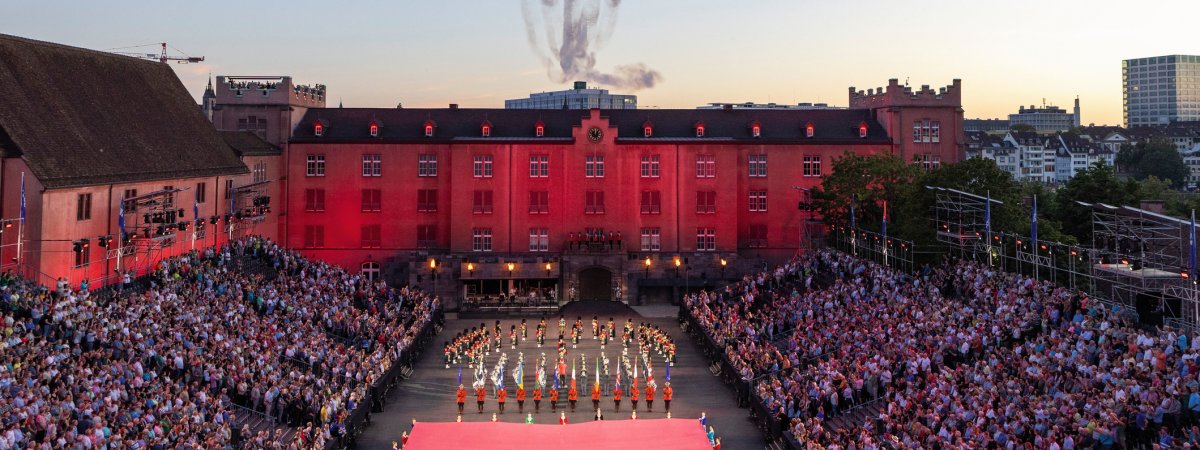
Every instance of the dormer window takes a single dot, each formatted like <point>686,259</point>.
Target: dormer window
<point>539,130</point>
<point>809,130</point>
<point>374,129</point>
<point>647,129</point>
<point>700,130</point>
<point>862,130</point>
<point>318,129</point>
<point>485,130</point>
<point>429,126</point>
<point>756,130</point>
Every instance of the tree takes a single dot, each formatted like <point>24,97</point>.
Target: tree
<point>1023,127</point>
<point>977,176</point>
<point>1157,157</point>
<point>870,180</point>
<point>1095,184</point>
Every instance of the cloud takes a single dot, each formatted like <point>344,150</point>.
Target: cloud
<point>570,38</point>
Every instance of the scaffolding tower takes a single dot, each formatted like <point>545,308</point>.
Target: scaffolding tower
<point>961,220</point>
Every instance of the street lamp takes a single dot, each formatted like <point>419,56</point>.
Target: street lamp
<point>647,262</point>
<point>723,264</point>
<point>677,263</point>
<point>804,206</point>
<point>511,267</point>
<point>433,271</point>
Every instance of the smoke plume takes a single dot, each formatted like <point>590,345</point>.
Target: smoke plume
<point>572,32</point>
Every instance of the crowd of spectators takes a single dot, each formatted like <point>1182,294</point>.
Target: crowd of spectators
<point>957,356</point>
<point>166,363</point>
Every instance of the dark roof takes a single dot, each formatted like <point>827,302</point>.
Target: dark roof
<point>80,117</point>
<point>778,126</point>
<point>247,143</point>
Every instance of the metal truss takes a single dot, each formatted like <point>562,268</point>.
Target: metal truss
<point>961,220</point>
<point>889,251</point>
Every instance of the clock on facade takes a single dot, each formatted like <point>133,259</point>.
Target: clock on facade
<point>594,134</point>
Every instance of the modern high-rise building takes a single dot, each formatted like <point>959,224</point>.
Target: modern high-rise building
<point>1160,90</point>
<point>1047,119</point>
<point>579,97</point>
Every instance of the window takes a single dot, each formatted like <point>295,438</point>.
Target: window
<point>706,166</point>
<point>594,202</point>
<point>758,166</point>
<point>483,166</point>
<point>650,239</point>
<point>370,271</point>
<point>756,130</point>
<point>428,129</point>
<point>426,236</point>
<point>539,130</point>
<point>539,166</point>
<point>255,124</point>
<point>647,130</point>
<point>372,200</point>
<point>83,210</point>
<point>260,171</point>
<point>917,131</point>
<point>201,192</point>
<point>426,165</point>
<point>427,200</point>
<point>316,165</point>
<point>539,240</point>
<point>758,201</point>
<point>700,130</point>
<point>706,239</point>
<point>593,166</point>
<point>318,129</point>
<point>924,130</point>
<point>651,202</point>
<point>811,166</point>
<point>929,161</point>
<point>862,130</point>
<point>650,166</point>
<point>170,193</point>
<point>482,202</point>
<point>84,255</point>
<point>314,236</point>
<point>539,202</point>
<point>314,199</point>
<point>935,132</point>
<point>130,206</point>
<point>481,240</point>
<point>485,130</point>
<point>706,202</point>
<point>758,236</point>
<point>372,165</point>
<point>374,129</point>
<point>371,236</point>
<point>809,130</point>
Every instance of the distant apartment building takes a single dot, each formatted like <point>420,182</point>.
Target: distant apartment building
<point>1047,119</point>
<point>986,125</point>
<point>579,97</point>
<point>1161,89</point>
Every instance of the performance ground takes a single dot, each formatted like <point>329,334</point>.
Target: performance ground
<point>429,394</point>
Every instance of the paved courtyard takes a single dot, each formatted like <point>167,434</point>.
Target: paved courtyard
<point>429,394</point>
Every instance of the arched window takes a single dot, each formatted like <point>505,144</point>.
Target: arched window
<point>862,130</point>
<point>809,130</point>
<point>539,129</point>
<point>756,129</point>
<point>374,129</point>
<point>485,129</point>
<point>370,271</point>
<point>647,129</point>
<point>699,129</point>
<point>318,129</point>
<point>429,126</point>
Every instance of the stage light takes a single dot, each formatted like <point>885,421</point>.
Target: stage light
<point>724,262</point>
<point>1124,261</point>
<point>470,267</point>
<point>1043,248</point>
<point>432,263</point>
<point>647,262</point>
<point>511,267</point>
<point>677,262</point>
<point>547,267</point>
<point>1074,253</point>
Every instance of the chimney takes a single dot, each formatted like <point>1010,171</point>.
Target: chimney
<point>454,106</point>
<point>1077,119</point>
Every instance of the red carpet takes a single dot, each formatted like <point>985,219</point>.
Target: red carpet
<point>661,434</point>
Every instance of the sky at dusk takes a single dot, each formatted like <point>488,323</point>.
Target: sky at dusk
<point>671,53</point>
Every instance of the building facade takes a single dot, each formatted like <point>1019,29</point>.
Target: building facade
<point>925,126</point>
<point>1047,119</point>
<point>578,97</point>
<point>87,136</point>
<point>1161,89</point>
<point>698,194</point>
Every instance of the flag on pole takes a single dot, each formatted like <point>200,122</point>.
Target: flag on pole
<point>22,197</point>
<point>597,371</point>
<point>121,217</point>
<point>884,228</point>
<point>196,205</point>
<point>853,199</point>
<point>987,215</point>
<point>1192,241</point>
<point>1033,225</point>
<point>459,373</point>
<point>668,372</point>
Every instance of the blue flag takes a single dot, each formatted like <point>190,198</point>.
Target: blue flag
<point>196,205</point>
<point>121,217</point>
<point>987,216</point>
<point>1192,241</point>
<point>885,221</point>
<point>668,371</point>
<point>1033,225</point>
<point>459,373</point>
<point>22,197</point>
<point>853,199</point>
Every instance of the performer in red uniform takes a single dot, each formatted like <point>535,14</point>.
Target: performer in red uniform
<point>667,394</point>
<point>596,396</point>
<point>617,398</point>
<point>572,396</point>
<point>537,400</point>
<point>460,397</point>
<point>562,418</point>
<point>521,399</point>
<point>633,395</point>
<point>480,396</point>
<point>649,397</point>
<point>502,396</point>
<point>554,399</point>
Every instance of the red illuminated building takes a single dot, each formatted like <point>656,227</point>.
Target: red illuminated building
<point>484,200</point>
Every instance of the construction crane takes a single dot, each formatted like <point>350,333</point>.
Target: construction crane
<point>161,57</point>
